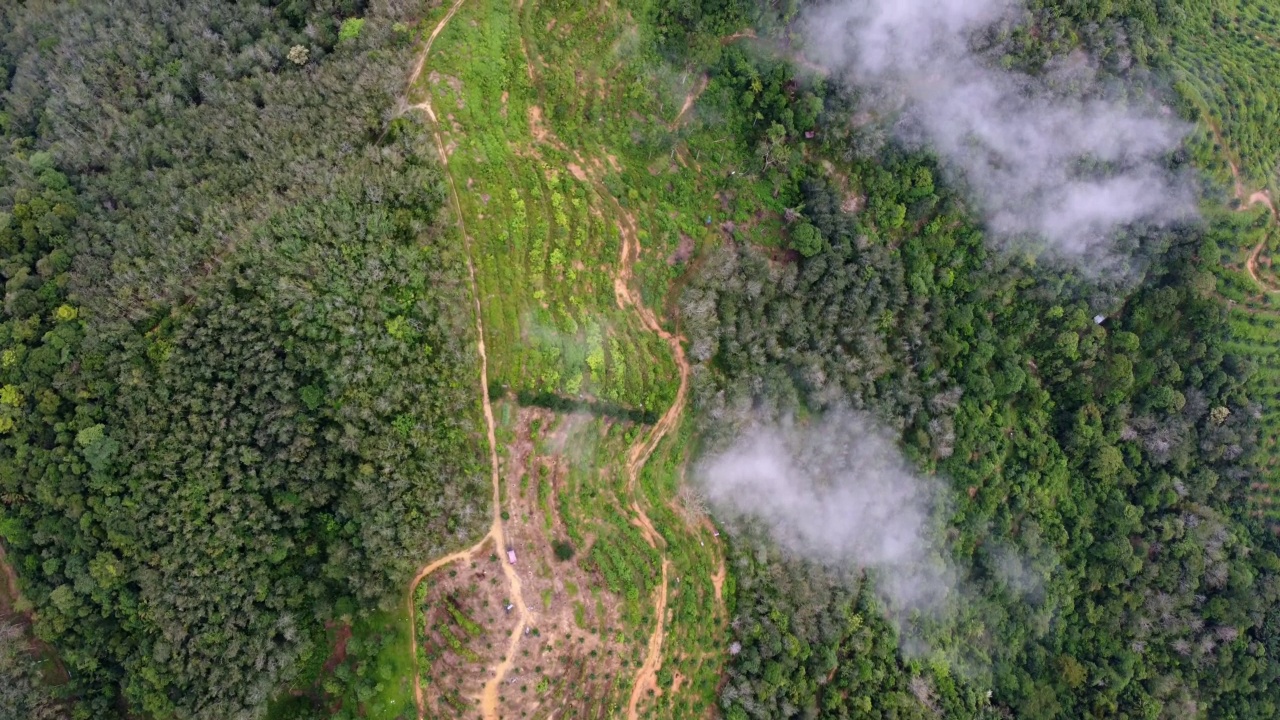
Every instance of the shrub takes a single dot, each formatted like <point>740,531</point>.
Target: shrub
<point>563,550</point>
<point>350,29</point>
<point>806,240</point>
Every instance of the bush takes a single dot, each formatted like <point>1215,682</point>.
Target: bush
<point>350,29</point>
<point>563,550</point>
<point>806,240</point>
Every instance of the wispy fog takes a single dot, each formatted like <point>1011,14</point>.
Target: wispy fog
<point>837,491</point>
<point>1053,159</point>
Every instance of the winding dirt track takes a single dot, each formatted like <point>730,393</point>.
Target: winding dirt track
<point>489,695</point>
<point>646,677</point>
<point>1263,197</point>
<point>1247,201</point>
<point>690,99</point>
<point>626,297</point>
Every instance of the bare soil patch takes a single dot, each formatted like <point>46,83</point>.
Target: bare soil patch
<point>10,597</point>
<point>569,661</point>
<point>339,653</point>
<point>463,626</point>
<point>748,33</point>
<point>698,88</point>
<point>435,78</point>
<point>684,251</point>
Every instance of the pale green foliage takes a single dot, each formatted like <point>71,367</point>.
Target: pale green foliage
<point>350,29</point>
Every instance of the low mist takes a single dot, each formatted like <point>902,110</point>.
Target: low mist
<point>1053,159</point>
<point>837,491</point>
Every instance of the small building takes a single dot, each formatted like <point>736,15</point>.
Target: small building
<point>511,556</point>
<point>1099,319</point>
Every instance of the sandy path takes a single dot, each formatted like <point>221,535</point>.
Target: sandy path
<point>690,99</point>
<point>1260,197</point>
<point>418,698</point>
<point>1247,201</point>
<point>627,298</point>
<point>722,572</point>
<point>426,49</point>
<point>646,677</point>
<point>489,695</point>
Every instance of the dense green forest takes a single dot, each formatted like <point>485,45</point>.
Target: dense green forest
<point>1108,456</point>
<point>237,366</point>
<point>1113,458</point>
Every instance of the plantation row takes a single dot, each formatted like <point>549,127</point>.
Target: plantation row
<point>546,247</point>
<point>1229,59</point>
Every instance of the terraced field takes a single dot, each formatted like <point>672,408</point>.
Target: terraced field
<point>1225,57</point>
<point>573,244</point>
<point>1254,316</point>
<point>1227,53</point>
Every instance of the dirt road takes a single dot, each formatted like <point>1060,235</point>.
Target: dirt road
<point>690,99</point>
<point>1260,197</point>
<point>627,298</point>
<point>646,677</point>
<point>489,695</point>
<point>1247,200</point>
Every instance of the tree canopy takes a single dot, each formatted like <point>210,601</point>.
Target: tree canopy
<point>237,368</point>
